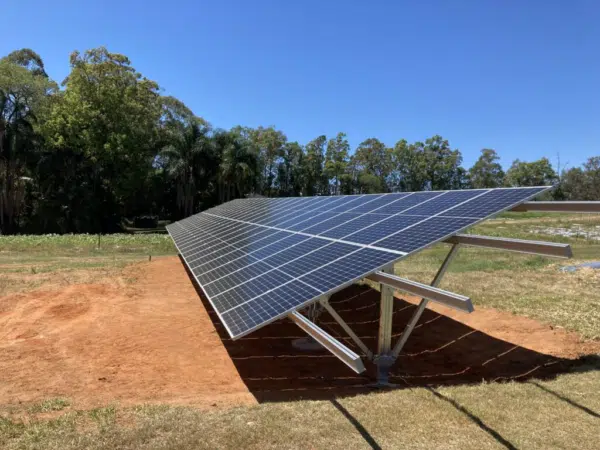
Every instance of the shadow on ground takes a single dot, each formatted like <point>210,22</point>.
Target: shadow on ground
<point>441,351</point>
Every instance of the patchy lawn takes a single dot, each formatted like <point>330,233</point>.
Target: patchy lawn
<point>562,413</point>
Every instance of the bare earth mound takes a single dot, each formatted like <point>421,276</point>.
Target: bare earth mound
<point>155,341</point>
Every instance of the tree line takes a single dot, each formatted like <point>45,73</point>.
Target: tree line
<point>106,145</point>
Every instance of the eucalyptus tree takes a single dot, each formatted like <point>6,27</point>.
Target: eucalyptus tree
<point>270,143</point>
<point>290,174</point>
<point>442,164</point>
<point>315,179</point>
<point>582,183</point>
<point>109,114</point>
<point>374,163</point>
<point>487,171</point>
<point>408,167</point>
<point>535,173</point>
<point>336,160</point>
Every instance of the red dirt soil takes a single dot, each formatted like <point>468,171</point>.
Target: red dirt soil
<point>156,341</point>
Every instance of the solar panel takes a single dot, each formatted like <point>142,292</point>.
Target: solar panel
<point>259,259</point>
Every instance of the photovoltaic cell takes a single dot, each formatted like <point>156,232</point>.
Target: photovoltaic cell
<point>279,245</point>
<point>424,233</point>
<point>355,265</point>
<point>249,290</point>
<point>379,202</point>
<point>354,203</point>
<point>237,278</point>
<point>224,270</point>
<point>251,315</point>
<point>287,253</point>
<point>259,259</point>
<point>349,224</point>
<point>317,258</point>
<point>322,216</point>
<point>443,202</point>
<point>492,202</point>
<point>410,201</point>
<point>387,225</point>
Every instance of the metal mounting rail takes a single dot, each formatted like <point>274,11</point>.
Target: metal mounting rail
<point>568,207</point>
<point>338,349</point>
<point>447,298</point>
<point>514,245</point>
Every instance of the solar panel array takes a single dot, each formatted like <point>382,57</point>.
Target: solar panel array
<point>258,259</point>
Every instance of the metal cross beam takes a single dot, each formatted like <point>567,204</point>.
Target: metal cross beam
<point>514,245</point>
<point>568,207</point>
<point>447,298</point>
<point>342,352</point>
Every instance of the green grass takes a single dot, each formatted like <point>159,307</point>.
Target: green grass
<point>51,404</point>
<point>559,413</point>
<point>527,226</point>
<point>30,262</point>
<point>87,244</point>
<point>526,285</point>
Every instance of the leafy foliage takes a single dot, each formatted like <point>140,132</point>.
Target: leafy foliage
<point>536,173</point>
<point>487,171</point>
<point>108,146</point>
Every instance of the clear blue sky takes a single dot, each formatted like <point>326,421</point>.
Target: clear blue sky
<point>522,77</point>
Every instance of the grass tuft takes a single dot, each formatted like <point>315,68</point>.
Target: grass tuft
<point>51,404</point>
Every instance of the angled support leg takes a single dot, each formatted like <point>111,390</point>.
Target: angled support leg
<point>419,311</point>
<point>325,302</point>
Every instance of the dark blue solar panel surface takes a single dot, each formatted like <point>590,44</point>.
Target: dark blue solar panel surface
<point>258,259</point>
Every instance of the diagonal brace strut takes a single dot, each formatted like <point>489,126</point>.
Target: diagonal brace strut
<point>423,304</point>
<point>325,302</point>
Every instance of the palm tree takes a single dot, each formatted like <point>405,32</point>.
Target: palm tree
<point>238,169</point>
<point>189,158</point>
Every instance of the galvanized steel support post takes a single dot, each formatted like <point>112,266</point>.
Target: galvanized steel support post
<point>384,359</point>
